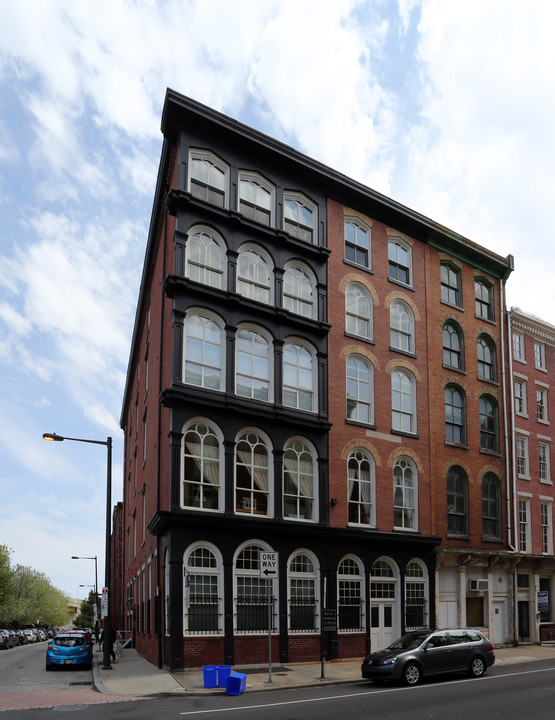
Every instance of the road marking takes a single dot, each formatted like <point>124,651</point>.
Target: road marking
<point>359,694</point>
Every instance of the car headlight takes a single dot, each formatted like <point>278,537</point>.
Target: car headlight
<point>389,661</point>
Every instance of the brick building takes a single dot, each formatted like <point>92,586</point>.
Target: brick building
<point>316,372</point>
<point>532,408</point>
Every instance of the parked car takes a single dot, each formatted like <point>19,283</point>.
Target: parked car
<point>430,652</point>
<point>67,649</point>
<point>21,637</point>
<point>6,640</point>
<point>30,635</point>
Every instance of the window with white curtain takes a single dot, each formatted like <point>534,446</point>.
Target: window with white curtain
<point>202,467</point>
<point>299,481</point>
<point>252,474</point>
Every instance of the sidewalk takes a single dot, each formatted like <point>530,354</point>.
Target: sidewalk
<point>133,676</point>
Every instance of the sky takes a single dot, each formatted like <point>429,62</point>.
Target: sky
<point>446,107</point>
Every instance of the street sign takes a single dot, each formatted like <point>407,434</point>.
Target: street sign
<point>329,620</point>
<point>268,562</point>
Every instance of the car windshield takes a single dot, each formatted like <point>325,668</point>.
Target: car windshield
<point>410,640</point>
<point>70,641</point>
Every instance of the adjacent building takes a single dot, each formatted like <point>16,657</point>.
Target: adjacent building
<point>317,443</point>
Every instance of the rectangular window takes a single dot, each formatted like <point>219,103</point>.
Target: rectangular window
<point>518,346</point>
<point>450,285</point>
<point>349,605</point>
<point>520,397</point>
<point>524,524</point>
<point>541,404</point>
<point>543,455</point>
<point>522,456</point>
<point>547,528</point>
<point>539,355</point>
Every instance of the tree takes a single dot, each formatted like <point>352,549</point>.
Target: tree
<point>30,598</point>
<point>86,616</point>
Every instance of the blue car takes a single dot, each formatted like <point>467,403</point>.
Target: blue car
<point>69,649</point>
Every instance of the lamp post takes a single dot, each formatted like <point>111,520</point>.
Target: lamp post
<point>95,558</point>
<point>107,644</point>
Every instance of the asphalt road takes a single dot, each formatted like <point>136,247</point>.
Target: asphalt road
<point>517,692</point>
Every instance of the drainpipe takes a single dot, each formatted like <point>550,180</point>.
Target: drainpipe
<point>510,463</point>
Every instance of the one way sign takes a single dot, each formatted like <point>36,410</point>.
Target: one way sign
<point>268,564</point>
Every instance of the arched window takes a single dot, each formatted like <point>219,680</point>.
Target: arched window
<point>204,351</point>
<point>403,401</point>
<point>254,278</point>
<point>252,592</point>
<point>252,364</point>
<point>416,596</point>
<point>384,603</point>
<point>405,494</point>
<point>299,376</point>
<point>202,592</point>
<point>252,474</point>
<point>205,258</point>
<point>299,290</point>
<point>299,480</point>
<point>401,321</point>
<point>361,488</point>
<point>358,311</point>
<point>208,178</point>
<point>300,217</point>
<point>256,198</point>
<point>453,355</point>
<point>302,576</point>
<point>399,254</point>
<point>457,501</point>
<point>357,243</point>
<point>491,506</point>
<point>202,467</point>
<point>486,358</point>
<point>360,389</point>
<point>455,415</point>
<point>489,427</point>
<point>483,293</point>
<point>350,599</point>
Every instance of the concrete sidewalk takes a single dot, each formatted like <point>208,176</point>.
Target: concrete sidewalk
<point>133,676</point>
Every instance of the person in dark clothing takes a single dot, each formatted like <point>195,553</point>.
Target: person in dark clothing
<point>111,641</point>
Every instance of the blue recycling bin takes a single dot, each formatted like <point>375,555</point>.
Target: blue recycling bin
<point>236,683</point>
<point>210,675</point>
<point>224,671</point>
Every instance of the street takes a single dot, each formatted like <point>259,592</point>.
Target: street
<point>519,691</point>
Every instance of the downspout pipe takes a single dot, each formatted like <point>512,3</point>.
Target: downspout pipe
<point>510,460</point>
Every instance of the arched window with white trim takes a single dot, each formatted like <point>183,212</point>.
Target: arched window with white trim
<point>361,488</point>
<point>401,319</point>
<point>253,474</point>
<point>360,389</point>
<point>253,364</point>
<point>417,600</point>
<point>254,274</point>
<point>252,591</point>
<point>205,257</point>
<point>202,590</point>
<point>204,350</point>
<point>202,466</point>
<point>256,198</point>
<point>299,480</point>
<point>403,400</point>
<point>208,178</point>
<point>299,290</point>
<point>358,311</point>
<point>299,375</point>
<point>405,494</point>
<point>300,217</point>
<point>350,595</point>
<point>302,592</point>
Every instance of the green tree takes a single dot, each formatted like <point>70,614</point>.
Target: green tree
<point>86,616</point>
<point>6,574</point>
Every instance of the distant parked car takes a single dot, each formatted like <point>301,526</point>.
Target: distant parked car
<point>430,652</point>
<point>30,635</point>
<point>67,649</point>
<point>21,637</point>
<point>6,640</point>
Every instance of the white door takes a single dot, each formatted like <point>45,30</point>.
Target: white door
<point>449,614</point>
<point>499,622</point>
<point>381,622</point>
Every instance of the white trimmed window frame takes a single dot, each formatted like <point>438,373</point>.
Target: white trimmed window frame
<point>303,584</point>
<point>255,357</point>
<point>205,576</point>
<point>299,290</point>
<point>199,457</point>
<point>207,159</point>
<point>206,257</point>
<point>296,226</point>
<point>205,363</point>
<point>396,248</point>
<point>401,324</point>
<point>297,476</point>
<point>252,207</point>
<point>295,375</point>
<point>255,274</point>
<point>359,311</point>
<point>358,242</point>
<point>360,389</point>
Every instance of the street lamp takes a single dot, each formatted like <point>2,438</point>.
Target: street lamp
<point>78,557</point>
<point>107,644</point>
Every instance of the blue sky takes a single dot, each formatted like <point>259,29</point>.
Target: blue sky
<point>446,107</point>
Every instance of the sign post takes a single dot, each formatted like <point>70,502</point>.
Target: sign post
<point>268,563</point>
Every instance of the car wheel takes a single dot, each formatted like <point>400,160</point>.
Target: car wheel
<point>48,667</point>
<point>411,674</point>
<point>477,667</point>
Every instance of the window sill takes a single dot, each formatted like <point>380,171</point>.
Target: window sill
<point>368,426</point>
<point>490,321</point>
<point>493,453</point>
<point>414,435</point>
<point>407,353</point>
<point>364,268</point>
<point>461,446</point>
<point>457,536</point>
<point>401,284</point>
<point>452,305</point>
<point>488,381</point>
<point>451,368</point>
<point>524,477</point>
<point>370,341</point>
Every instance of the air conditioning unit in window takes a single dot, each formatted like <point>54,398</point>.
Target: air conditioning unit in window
<point>478,585</point>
